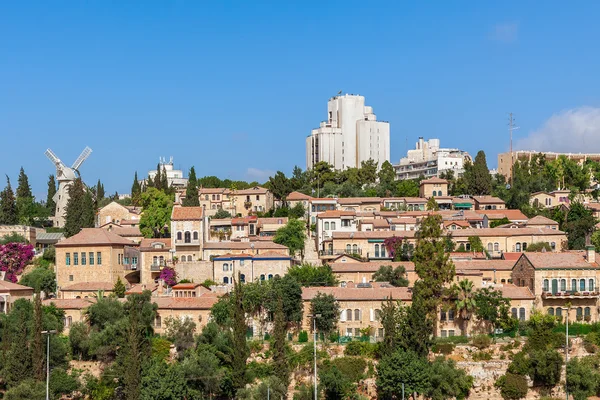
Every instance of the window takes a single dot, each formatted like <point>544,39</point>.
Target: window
<point>99,258</point>
<point>75,258</point>
<point>333,226</point>
<point>518,247</point>
<point>521,314</point>
<point>376,250</point>
<point>514,313</point>
<point>579,313</point>
<point>262,277</point>
<point>83,258</point>
<point>157,321</point>
<point>490,247</point>
<point>214,197</point>
<point>451,332</point>
<point>382,251</point>
<point>355,248</point>
<point>270,276</point>
<point>587,312</point>
<point>524,246</point>
<point>242,278</point>
<point>546,285</point>
<point>225,280</point>
<point>443,316</point>
<point>134,260</point>
<point>178,235</point>
<point>357,332</point>
<point>225,267</point>
<point>91,256</point>
<point>357,315</point>
<point>187,237</point>
<point>349,332</point>
<point>380,332</point>
<point>345,223</point>
<point>241,263</point>
<point>348,249</point>
<point>558,311</point>
<point>496,246</point>
<point>591,285</point>
<point>70,278</point>
<point>348,315</point>
<point>326,226</point>
<point>574,285</point>
<point>450,315</point>
<point>68,259</point>
<point>205,197</point>
<point>581,284</point>
<point>553,246</point>
<point>563,285</point>
<point>444,333</point>
<point>195,235</point>
<point>155,260</point>
<point>550,311</point>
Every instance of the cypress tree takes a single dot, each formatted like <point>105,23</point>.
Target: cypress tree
<point>136,190</point>
<point>478,177</point>
<point>280,362</point>
<point>158,178</point>
<point>80,211</point>
<point>88,211</point>
<point>23,188</point>
<point>99,191</point>
<point>191,192</point>
<point>37,356</point>
<point>240,352</point>
<point>8,205</point>
<point>50,204</point>
<point>164,182</point>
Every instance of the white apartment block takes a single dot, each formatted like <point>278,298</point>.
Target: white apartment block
<point>428,160</point>
<point>174,176</point>
<point>351,134</point>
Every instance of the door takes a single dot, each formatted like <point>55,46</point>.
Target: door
<point>554,286</point>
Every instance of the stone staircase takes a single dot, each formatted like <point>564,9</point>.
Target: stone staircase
<point>310,251</point>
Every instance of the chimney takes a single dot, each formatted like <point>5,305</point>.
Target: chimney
<point>2,275</point>
<point>591,254</point>
<point>160,289</point>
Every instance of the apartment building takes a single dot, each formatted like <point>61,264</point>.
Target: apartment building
<point>155,254</point>
<point>118,214</point>
<point>428,159</point>
<point>187,229</point>
<point>263,266</point>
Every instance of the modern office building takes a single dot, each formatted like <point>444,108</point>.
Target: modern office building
<point>351,134</point>
<point>429,160</point>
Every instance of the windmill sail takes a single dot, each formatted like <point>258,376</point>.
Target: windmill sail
<point>82,157</point>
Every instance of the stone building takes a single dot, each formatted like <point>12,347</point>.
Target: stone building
<point>118,214</point>
<point>187,229</point>
<point>433,187</point>
<point>264,266</point>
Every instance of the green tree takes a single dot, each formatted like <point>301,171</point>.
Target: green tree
<point>191,191</point>
<point>79,339</point>
<point>100,193</point>
<point>80,209</point>
<point>50,204</point>
<point>386,175</point>
<point>239,328</point>
<point>312,275</point>
<point>368,172</point>
<point>8,205</point>
<point>401,367</point>
<point>119,288</point>
<point>407,188</point>
<point>41,279</point>
<point>580,224</point>
<point>335,385</point>
<point>446,381</point>
<point>221,214</point>
<point>477,176</point>
<point>180,332</point>
<point>395,276</point>
<point>475,243</point>
<point>27,389</point>
<point>328,307</point>
<point>158,178</point>
<point>492,307</point>
<point>161,381</point>
<point>136,190</point>
<point>582,377</point>
<point>280,186</point>
<point>538,247</point>
<point>499,222</point>
<point>37,355</point>
<point>292,235</point>
<point>280,357</point>
<point>62,383</point>
<point>156,217</point>
<point>464,301</point>
<point>512,387</point>
<point>288,291</point>
<point>23,188</point>
<point>432,205</point>
<point>24,199</point>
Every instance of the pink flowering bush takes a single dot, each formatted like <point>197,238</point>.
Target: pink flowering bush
<point>13,259</point>
<point>169,276</point>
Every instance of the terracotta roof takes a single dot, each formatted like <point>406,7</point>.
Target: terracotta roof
<point>296,196</point>
<point>462,224</point>
<point>70,304</point>
<point>433,180</point>
<point>457,200</point>
<point>541,220</point>
<point>359,200</point>
<point>258,245</point>
<point>512,215</point>
<point>130,231</point>
<point>213,191</point>
<point>373,234</point>
<point>415,200</point>
<point>130,222</point>
<point>272,254</point>
<point>231,255</point>
<point>512,256</point>
<point>470,255</point>
<point>515,292</point>
<point>186,213</point>
<point>593,206</point>
<point>6,286</point>
<point>146,244</point>
<point>488,200</point>
<point>183,286</point>
<point>484,265</point>
<point>254,190</point>
<point>336,214</point>
<point>272,221</point>
<point>354,293</point>
<point>185,303</point>
<point>371,266</point>
<point>89,287</point>
<point>566,260</point>
<point>139,288</point>
<point>404,220</point>
<point>506,232</point>
<point>134,210</point>
<point>319,199</point>
<point>377,223</point>
<point>95,237</point>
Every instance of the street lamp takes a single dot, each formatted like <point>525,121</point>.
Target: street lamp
<point>314,317</point>
<point>48,333</point>
<point>566,349</point>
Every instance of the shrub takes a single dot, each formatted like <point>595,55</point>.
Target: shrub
<point>364,349</point>
<point>453,339</point>
<point>259,370</point>
<point>352,368</point>
<point>482,356</point>
<point>512,387</point>
<point>443,348</point>
<point>255,346</point>
<point>591,341</point>
<point>303,337</point>
<point>482,341</point>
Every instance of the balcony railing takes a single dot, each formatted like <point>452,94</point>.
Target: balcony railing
<point>130,267</point>
<point>570,294</point>
<point>187,242</point>
<point>339,252</point>
<point>380,256</point>
<point>157,266</point>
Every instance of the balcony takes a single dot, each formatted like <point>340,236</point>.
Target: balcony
<point>378,256</point>
<point>130,267</point>
<point>571,294</point>
<point>335,253</point>
<point>183,242</point>
<point>156,267</point>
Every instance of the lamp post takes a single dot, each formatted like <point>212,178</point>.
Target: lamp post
<point>48,333</point>
<point>314,317</point>
<point>566,350</point>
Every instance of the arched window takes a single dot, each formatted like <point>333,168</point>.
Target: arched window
<point>558,311</point>
<point>502,280</point>
<point>277,276</point>
<point>225,267</point>
<point>161,260</point>
<point>225,280</point>
<point>376,250</point>
<point>195,235</point>
<point>348,248</point>
<point>348,315</point>
<point>189,258</point>
<point>382,251</point>
<point>242,278</point>
<point>518,247</point>
<point>270,276</point>
<point>357,315</point>
<point>522,314</point>
<point>355,248</point>
<point>187,237</point>
<point>158,321</point>
<point>490,246</point>
<point>155,260</point>
<point>573,285</point>
<point>514,313</point>
<point>553,246</point>
<point>563,285</point>
<point>262,277</point>
<point>214,197</point>
<point>206,197</point>
<point>333,226</point>
<point>550,311</point>
<point>546,285</point>
<point>442,315</point>
<point>579,313</point>
<point>524,246</point>
<point>582,285</point>
<point>587,312</point>
<point>214,207</point>
<point>178,235</point>
<point>326,226</point>
<point>450,315</point>
<point>591,285</point>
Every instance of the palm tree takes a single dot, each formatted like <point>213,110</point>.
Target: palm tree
<point>464,302</point>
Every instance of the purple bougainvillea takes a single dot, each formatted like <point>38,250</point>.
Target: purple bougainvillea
<point>13,259</point>
<point>169,276</point>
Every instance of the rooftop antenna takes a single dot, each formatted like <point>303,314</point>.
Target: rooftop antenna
<point>511,128</point>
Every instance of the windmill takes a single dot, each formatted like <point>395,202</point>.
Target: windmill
<point>65,177</point>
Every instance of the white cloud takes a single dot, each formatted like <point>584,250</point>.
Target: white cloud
<point>259,175</point>
<point>507,32</point>
<point>574,131</point>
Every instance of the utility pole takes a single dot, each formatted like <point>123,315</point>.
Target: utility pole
<point>511,128</point>
<point>48,333</point>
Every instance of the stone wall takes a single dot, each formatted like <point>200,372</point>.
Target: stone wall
<point>196,271</point>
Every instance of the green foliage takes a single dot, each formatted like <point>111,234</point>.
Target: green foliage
<point>498,222</point>
<point>538,247</point>
<point>481,341</point>
<point>363,349</point>
<point>443,348</point>
<point>407,188</point>
<point>156,217</point>
<point>8,205</point>
<point>191,191</point>
<point>162,381</point>
<point>482,356</point>
<point>328,307</point>
<point>278,346</point>
<point>580,223</point>
<point>477,176</point>
<point>396,277</point>
<point>475,243</point>
<point>239,328</point>
<point>28,389</point>
<point>40,279</point>
<point>280,186</point>
<point>62,383</point>
<point>50,204</point>
<point>402,367</point>
<point>303,337</point>
<point>492,307</point>
<point>353,368</point>
<point>180,332</point>
<point>305,392</point>
<point>545,367</point>
<point>79,340</point>
<point>80,212</point>
<point>334,384</point>
<point>119,288</point>
<point>292,235</point>
<point>446,381</point>
<point>221,214</point>
<point>512,387</point>
<point>432,205</point>
<point>13,238</point>
<point>583,377</point>
<point>311,275</point>
<point>464,302</point>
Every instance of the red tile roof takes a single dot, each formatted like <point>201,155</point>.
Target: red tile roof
<point>146,244</point>
<point>359,200</point>
<point>371,266</point>
<point>512,256</point>
<point>139,288</point>
<point>513,292</point>
<point>95,237</point>
<point>251,191</point>
<point>565,260</point>
<point>184,286</point>
<point>70,304</point>
<point>296,196</point>
<point>506,232</point>
<point>488,200</point>
<point>354,293</point>
<point>433,180</point>
<point>185,303</point>
<point>88,287</point>
<point>186,213</point>
<point>6,286</point>
<point>541,220</point>
<point>512,215</point>
<point>336,214</point>
<point>484,265</point>
<point>258,245</point>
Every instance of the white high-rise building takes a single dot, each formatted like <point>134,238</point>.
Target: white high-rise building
<point>350,135</point>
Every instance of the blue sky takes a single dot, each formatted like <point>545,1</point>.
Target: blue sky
<point>234,87</point>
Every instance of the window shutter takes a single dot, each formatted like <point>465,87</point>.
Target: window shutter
<point>343,315</point>
<point>372,315</point>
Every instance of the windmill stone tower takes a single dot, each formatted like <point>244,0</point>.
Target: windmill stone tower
<point>65,177</point>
